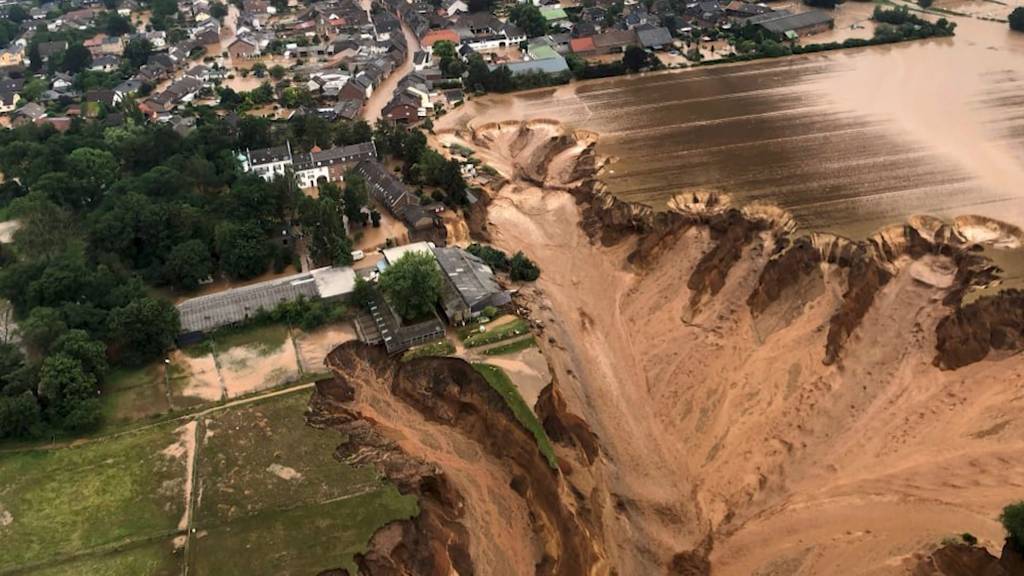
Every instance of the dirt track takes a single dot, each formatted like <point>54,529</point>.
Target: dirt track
<point>729,435</point>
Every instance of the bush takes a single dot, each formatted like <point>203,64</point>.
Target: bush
<point>1016,19</point>
<point>1013,521</point>
<point>969,538</point>
<point>519,267</point>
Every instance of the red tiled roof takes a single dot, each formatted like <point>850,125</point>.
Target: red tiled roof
<point>585,44</point>
<point>438,35</point>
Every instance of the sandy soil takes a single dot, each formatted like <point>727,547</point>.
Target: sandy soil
<point>314,346</point>
<point>528,370</point>
<point>185,447</point>
<point>246,369</point>
<point>7,230</point>
<point>195,379</point>
<point>717,437</point>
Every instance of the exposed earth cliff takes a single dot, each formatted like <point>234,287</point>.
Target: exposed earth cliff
<point>732,396</point>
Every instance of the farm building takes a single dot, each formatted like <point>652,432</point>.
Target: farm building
<point>469,287</point>
<point>205,313</point>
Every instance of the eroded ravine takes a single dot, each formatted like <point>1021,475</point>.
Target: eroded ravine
<point>729,397</point>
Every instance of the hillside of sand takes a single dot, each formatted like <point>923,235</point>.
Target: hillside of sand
<point>761,419</point>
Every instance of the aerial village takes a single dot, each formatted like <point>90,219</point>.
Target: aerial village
<point>342,59</point>
<point>389,62</point>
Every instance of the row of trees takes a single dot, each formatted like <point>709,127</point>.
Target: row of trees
<point>421,164</point>
<point>104,212</point>
<point>519,267</point>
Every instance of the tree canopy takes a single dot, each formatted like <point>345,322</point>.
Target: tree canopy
<point>412,285</point>
<point>1016,19</point>
<point>1013,521</point>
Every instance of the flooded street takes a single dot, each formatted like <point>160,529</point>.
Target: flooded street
<point>848,141</point>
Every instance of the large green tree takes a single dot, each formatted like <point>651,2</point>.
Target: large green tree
<point>143,329</point>
<point>243,248</point>
<point>412,284</point>
<point>1013,521</point>
<point>188,264</point>
<point>528,17</point>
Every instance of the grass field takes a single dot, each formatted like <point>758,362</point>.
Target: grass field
<point>439,348</point>
<point>500,381</point>
<point>512,347</point>
<point>276,501</point>
<point>91,499</point>
<point>517,327</point>
<point>130,395</point>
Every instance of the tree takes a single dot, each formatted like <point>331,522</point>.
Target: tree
<point>42,327</point>
<point>218,10</point>
<point>17,14</point>
<point>412,284</point>
<point>117,25</point>
<point>522,268</point>
<point>229,99</point>
<point>277,72</point>
<point>1013,521</point>
<point>356,197</point>
<point>143,329</point>
<point>19,415</point>
<point>528,17</point>
<point>635,59</point>
<point>90,353</point>
<point>64,383</point>
<point>923,3</point>
<point>243,249</point>
<point>137,52</point>
<point>1016,19</point>
<point>188,264</point>
<point>96,168</point>
<point>258,70</point>
<point>448,59</point>
<point>363,294</point>
<point>829,4</point>
<point>76,59</point>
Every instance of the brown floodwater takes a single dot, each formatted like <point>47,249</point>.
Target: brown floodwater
<point>847,141</point>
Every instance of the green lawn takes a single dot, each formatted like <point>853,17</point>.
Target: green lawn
<point>439,348</point>
<point>302,540</point>
<point>266,338</point>
<point>134,394</point>
<point>276,501</point>
<point>500,381</point>
<point>512,347</point>
<point>517,327</point>
<point>157,559</point>
<point>72,500</point>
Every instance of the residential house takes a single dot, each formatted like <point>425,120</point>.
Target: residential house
<point>9,102</point>
<point>404,108</point>
<point>654,38</point>
<point>583,47</point>
<point>127,88</point>
<point>267,163</point>
<point>453,7</point>
<point>389,192</point>
<point>105,63</point>
<point>482,31</point>
<point>62,81</point>
<point>330,164</point>
<point>13,55</point>
<point>103,96</point>
<point>433,36</point>
<point>29,113</point>
<point>243,48</point>
<point>614,41</point>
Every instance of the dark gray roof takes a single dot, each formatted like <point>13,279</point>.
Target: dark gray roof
<point>385,188</point>
<point>654,37</point>
<point>471,277</point>
<point>337,155</point>
<point>792,22</point>
<point>268,155</point>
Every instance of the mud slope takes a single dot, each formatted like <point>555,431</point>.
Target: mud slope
<point>490,503</point>
<point>765,402</point>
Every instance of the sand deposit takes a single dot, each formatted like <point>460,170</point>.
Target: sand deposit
<point>726,440</point>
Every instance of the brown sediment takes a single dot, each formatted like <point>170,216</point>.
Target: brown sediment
<point>793,417</point>
<point>966,560</point>
<point>490,503</point>
<point>972,332</point>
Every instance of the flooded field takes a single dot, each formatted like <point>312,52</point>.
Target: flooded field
<point>847,141</point>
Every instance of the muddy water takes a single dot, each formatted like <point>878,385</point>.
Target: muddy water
<point>848,141</point>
